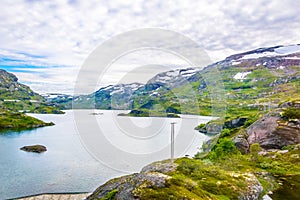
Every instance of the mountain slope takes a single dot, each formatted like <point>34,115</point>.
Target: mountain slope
<point>250,81</point>
<point>15,96</point>
<point>266,79</point>
<point>11,89</point>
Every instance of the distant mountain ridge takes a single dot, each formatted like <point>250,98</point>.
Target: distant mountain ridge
<point>251,74</point>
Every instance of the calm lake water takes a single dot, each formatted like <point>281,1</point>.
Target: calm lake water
<point>74,164</point>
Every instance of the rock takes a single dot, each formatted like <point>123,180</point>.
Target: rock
<point>254,188</point>
<point>242,144</point>
<point>34,148</point>
<point>271,132</point>
<point>213,128</point>
<point>161,167</point>
<point>235,123</point>
<point>127,187</point>
<point>290,104</point>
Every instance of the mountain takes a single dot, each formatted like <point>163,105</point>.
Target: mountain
<point>15,96</point>
<point>110,97</point>
<point>255,153</point>
<point>246,82</point>
<point>11,89</point>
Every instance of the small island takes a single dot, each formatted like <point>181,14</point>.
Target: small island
<point>34,148</point>
<point>147,113</point>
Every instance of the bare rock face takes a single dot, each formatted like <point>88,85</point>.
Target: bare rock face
<point>128,186</point>
<point>271,132</point>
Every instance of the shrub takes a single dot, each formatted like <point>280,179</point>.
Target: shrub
<point>291,113</point>
<point>254,149</point>
<point>225,132</point>
<point>223,148</point>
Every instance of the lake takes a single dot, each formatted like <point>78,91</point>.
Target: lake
<point>85,148</point>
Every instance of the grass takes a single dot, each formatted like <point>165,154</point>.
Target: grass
<point>225,177</point>
<point>17,121</point>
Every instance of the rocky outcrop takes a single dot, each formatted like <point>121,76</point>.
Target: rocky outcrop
<point>34,148</point>
<point>127,187</point>
<point>241,142</point>
<point>254,188</point>
<point>271,132</point>
<point>235,123</point>
<point>161,167</point>
<point>154,177</point>
<point>215,127</point>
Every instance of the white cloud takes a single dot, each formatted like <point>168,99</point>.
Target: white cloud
<point>62,33</point>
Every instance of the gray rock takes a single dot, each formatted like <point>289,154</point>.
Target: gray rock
<point>235,123</point>
<point>273,133</point>
<point>241,143</point>
<point>34,148</point>
<point>254,189</point>
<point>127,186</point>
<point>161,167</point>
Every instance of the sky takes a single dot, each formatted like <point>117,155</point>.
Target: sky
<point>45,42</point>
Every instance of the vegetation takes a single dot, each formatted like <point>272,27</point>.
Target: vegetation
<point>17,121</point>
<point>110,195</point>
<point>228,175</point>
<point>17,99</point>
<point>291,113</point>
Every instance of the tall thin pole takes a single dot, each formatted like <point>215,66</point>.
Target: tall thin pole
<point>172,141</point>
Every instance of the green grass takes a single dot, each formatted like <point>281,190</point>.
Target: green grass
<point>17,121</point>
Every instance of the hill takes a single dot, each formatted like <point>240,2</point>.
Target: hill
<point>17,99</point>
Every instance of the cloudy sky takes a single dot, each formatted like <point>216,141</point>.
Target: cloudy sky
<point>46,42</point>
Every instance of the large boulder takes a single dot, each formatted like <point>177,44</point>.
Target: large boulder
<point>126,187</point>
<point>241,143</point>
<point>271,132</point>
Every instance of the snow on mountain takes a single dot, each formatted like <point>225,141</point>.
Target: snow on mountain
<point>270,52</point>
<point>241,75</point>
<point>120,88</point>
<point>174,75</point>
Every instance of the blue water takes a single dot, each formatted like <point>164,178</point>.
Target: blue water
<point>66,166</point>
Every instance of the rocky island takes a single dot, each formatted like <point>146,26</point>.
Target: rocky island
<point>34,148</point>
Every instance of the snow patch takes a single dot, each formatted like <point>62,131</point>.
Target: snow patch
<point>172,73</point>
<point>280,51</point>
<point>118,90</point>
<point>241,75</point>
<point>288,49</point>
<point>236,62</point>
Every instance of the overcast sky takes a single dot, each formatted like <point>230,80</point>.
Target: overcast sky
<point>45,42</point>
